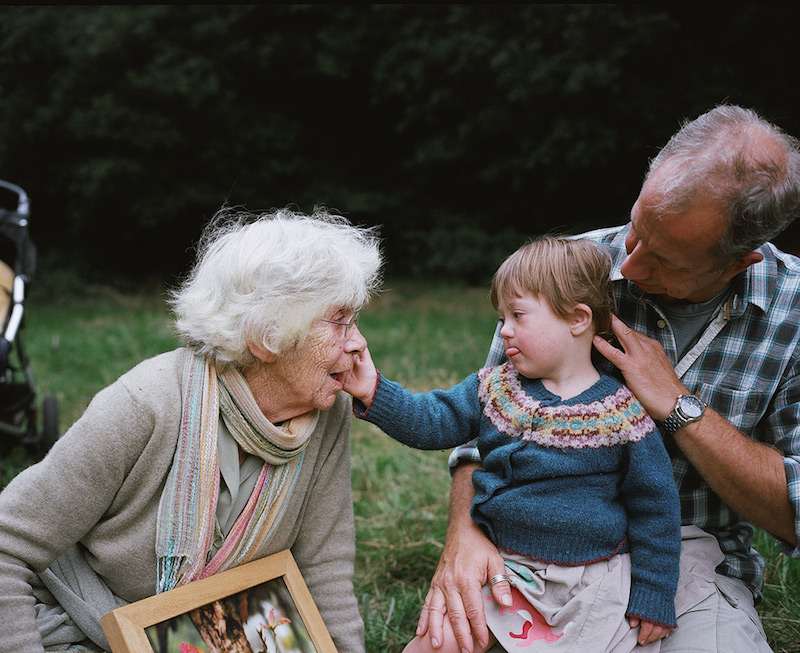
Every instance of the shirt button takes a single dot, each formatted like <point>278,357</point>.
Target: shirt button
<point>661,324</point>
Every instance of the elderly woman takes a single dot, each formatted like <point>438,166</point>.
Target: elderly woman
<point>206,457</point>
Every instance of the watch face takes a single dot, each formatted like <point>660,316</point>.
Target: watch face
<point>691,406</point>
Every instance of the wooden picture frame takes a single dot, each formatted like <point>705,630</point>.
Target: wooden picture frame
<point>270,591</point>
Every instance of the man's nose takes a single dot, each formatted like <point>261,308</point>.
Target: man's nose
<point>635,265</point>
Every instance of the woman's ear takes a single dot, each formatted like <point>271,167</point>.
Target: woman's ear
<point>581,319</point>
<point>261,353</point>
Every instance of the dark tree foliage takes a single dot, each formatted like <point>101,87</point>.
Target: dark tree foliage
<point>463,129</point>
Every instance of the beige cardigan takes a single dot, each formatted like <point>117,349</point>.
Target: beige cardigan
<point>101,485</point>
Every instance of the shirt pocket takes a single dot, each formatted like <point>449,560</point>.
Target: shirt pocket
<point>742,408</point>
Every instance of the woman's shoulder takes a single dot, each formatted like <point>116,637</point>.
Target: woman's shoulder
<point>156,375</point>
<point>159,364</point>
<point>152,383</point>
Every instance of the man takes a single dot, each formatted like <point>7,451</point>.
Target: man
<point>709,342</point>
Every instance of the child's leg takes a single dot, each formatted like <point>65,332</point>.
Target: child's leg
<point>449,645</point>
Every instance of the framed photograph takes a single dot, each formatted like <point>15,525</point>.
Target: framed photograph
<point>260,607</point>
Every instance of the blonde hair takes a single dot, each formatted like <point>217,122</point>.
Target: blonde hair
<point>565,272</point>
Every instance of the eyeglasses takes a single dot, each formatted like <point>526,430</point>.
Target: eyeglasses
<point>347,325</point>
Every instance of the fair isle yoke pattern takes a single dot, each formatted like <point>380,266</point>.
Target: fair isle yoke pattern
<point>617,419</point>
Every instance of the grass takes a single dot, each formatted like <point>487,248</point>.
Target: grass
<point>424,337</point>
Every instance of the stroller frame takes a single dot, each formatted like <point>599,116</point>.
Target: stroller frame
<point>18,413</point>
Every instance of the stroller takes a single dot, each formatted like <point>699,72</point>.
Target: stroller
<point>18,414</point>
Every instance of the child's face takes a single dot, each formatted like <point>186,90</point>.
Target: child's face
<point>536,340</point>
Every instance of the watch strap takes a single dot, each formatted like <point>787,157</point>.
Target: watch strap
<point>677,419</point>
<point>671,424</point>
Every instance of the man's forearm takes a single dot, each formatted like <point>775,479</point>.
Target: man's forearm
<point>748,475</point>
<point>461,494</point>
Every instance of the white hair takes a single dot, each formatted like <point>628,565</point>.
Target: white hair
<point>266,278</point>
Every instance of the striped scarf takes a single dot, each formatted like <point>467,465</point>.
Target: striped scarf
<point>187,512</point>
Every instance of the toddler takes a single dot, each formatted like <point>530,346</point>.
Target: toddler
<point>576,488</point>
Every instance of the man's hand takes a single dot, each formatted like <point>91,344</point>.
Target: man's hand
<point>747,475</point>
<point>469,560</point>
<point>646,368</point>
<point>456,592</point>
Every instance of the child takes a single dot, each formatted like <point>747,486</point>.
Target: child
<point>576,488</point>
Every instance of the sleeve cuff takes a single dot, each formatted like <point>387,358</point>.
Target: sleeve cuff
<point>361,410</point>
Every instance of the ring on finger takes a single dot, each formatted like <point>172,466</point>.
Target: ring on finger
<point>499,578</point>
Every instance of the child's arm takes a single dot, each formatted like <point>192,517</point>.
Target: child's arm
<point>434,420</point>
<point>651,501</point>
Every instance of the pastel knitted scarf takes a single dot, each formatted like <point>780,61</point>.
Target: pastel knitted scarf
<point>187,512</point>
<point>586,421</point>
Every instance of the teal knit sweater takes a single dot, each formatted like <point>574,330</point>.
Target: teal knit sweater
<point>567,482</point>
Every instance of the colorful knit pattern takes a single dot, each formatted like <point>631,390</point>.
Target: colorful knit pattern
<point>616,419</point>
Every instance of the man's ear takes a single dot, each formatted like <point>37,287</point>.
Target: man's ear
<point>261,353</point>
<point>581,319</point>
<point>741,264</point>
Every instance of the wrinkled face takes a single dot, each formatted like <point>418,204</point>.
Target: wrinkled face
<point>309,374</point>
<point>535,338</point>
<point>672,255</point>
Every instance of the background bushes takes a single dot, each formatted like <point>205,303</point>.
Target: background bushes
<point>463,129</point>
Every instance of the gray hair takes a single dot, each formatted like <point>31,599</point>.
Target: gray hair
<point>733,156</point>
<point>266,278</point>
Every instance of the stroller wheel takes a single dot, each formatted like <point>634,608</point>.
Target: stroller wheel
<point>49,423</point>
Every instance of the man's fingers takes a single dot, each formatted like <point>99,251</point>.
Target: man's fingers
<point>626,336</point>
<point>501,592</point>
<point>632,345</point>
<point>607,349</point>
<point>619,327</point>
<point>500,583</point>
<point>422,622</point>
<point>431,619</point>
<point>457,615</point>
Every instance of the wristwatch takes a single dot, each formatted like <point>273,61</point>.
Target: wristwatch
<point>688,409</point>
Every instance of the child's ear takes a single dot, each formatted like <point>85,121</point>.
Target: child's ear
<point>581,319</point>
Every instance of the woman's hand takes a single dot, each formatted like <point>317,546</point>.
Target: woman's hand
<point>362,379</point>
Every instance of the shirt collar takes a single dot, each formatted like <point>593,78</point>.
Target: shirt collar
<point>619,253</point>
<point>760,280</point>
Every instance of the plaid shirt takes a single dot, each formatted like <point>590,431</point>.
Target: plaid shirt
<point>746,366</point>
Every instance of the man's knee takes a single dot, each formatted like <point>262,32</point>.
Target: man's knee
<point>725,622</point>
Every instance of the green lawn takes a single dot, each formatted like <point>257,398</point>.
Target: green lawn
<point>423,337</point>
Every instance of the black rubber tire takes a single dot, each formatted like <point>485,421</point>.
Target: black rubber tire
<point>49,423</point>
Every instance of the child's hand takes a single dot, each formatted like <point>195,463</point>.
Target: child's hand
<point>362,379</point>
<point>649,632</point>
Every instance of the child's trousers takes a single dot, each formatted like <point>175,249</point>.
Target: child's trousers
<point>566,609</point>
